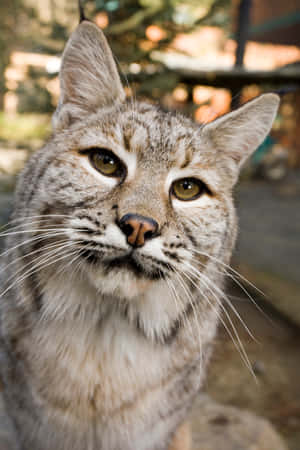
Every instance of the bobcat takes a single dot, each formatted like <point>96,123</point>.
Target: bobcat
<point>123,227</point>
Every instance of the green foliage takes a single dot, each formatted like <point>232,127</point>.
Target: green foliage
<point>59,31</point>
<point>22,27</point>
<point>12,14</point>
<point>33,97</point>
<point>110,5</point>
<point>7,36</point>
<point>23,128</point>
<point>130,18</point>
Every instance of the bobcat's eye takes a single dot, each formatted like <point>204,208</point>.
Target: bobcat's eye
<point>107,163</point>
<point>188,188</point>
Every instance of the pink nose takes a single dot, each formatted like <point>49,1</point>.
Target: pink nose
<point>138,229</point>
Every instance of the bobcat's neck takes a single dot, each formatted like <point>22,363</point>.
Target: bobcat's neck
<point>105,359</point>
<point>154,312</point>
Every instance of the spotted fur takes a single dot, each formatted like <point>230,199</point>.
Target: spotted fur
<point>105,346</point>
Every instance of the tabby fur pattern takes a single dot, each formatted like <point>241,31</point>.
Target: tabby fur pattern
<point>104,345</point>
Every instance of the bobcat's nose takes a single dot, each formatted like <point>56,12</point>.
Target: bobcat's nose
<point>138,229</point>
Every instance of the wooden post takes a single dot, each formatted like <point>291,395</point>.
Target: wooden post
<point>241,37</point>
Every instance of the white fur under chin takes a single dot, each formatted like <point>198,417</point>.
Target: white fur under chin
<point>152,300</point>
<point>118,283</point>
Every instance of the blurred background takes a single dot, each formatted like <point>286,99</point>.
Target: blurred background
<point>203,58</point>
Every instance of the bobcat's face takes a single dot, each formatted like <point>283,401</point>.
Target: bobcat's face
<point>134,204</point>
<point>144,197</point>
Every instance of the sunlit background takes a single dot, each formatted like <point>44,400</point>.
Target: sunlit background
<point>203,58</point>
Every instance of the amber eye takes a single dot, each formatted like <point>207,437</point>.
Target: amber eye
<point>188,188</point>
<point>107,163</point>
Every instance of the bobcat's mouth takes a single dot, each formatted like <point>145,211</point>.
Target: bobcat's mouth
<point>127,262</point>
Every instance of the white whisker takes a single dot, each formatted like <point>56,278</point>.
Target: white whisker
<point>191,302</point>
<point>238,343</point>
<point>40,259</point>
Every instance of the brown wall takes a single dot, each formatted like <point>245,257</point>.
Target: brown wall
<point>265,10</point>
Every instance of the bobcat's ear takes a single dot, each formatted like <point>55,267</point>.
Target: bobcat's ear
<point>236,135</point>
<point>89,77</point>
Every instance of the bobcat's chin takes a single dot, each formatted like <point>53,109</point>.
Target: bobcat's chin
<point>126,274</point>
<point>121,283</point>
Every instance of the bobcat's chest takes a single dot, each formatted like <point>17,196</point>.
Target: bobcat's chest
<point>113,385</point>
<point>99,372</point>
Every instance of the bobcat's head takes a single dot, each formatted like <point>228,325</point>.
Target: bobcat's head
<point>141,199</point>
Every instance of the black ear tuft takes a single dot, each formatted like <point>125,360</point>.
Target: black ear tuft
<point>81,11</point>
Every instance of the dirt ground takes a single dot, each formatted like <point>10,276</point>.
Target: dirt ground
<point>274,355</point>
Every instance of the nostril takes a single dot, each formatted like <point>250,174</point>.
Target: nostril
<point>148,235</point>
<point>127,229</point>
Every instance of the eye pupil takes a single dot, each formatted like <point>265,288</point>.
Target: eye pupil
<point>187,185</point>
<point>108,160</point>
